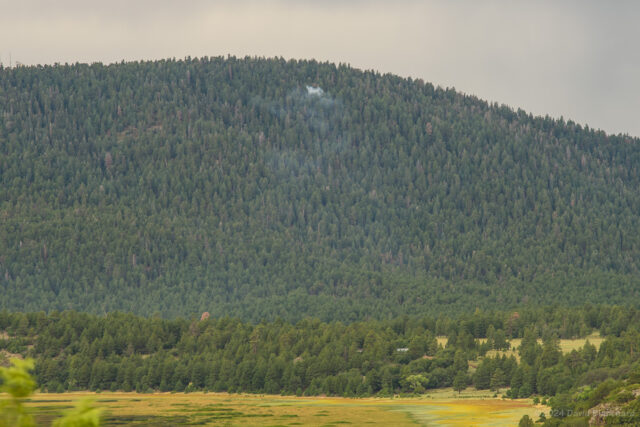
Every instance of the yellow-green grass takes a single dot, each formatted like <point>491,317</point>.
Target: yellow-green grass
<point>443,407</point>
<point>442,340</point>
<point>170,409</point>
<point>566,345</point>
<point>472,407</point>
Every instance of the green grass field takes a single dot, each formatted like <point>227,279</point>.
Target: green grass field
<point>439,407</point>
<point>443,407</point>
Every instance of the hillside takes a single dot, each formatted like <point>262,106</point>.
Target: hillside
<point>263,188</point>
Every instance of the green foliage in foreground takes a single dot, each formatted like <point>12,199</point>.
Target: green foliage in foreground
<point>225,185</point>
<point>18,384</point>
<point>83,414</point>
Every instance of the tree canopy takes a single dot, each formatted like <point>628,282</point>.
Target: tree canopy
<point>265,188</point>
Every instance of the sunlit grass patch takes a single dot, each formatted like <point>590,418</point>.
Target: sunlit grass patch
<point>471,407</point>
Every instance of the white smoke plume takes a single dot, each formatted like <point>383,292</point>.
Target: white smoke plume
<point>315,91</point>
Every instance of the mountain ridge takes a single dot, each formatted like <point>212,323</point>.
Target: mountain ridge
<point>264,188</point>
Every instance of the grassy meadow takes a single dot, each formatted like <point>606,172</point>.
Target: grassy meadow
<point>443,407</point>
<point>566,345</point>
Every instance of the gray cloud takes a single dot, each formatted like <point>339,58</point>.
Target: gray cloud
<point>578,59</point>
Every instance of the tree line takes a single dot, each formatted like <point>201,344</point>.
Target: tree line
<point>79,351</point>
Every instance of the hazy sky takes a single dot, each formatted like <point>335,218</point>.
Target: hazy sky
<point>578,59</point>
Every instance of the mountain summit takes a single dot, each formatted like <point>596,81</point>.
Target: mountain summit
<point>264,188</point>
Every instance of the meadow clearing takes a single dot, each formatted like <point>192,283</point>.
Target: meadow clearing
<point>566,345</point>
<point>442,407</point>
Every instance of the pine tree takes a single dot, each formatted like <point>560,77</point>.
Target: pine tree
<point>460,381</point>
<point>497,379</point>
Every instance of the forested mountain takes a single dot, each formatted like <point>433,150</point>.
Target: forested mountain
<point>262,187</point>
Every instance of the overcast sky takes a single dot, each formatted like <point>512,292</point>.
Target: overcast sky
<point>577,59</point>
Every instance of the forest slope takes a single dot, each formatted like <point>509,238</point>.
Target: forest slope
<point>262,188</point>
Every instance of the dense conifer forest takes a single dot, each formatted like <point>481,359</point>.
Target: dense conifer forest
<point>264,188</point>
<point>78,351</point>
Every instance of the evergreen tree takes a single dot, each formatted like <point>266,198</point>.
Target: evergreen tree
<point>460,381</point>
<point>497,380</point>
